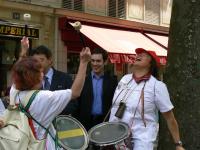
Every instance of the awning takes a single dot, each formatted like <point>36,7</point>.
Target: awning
<point>162,40</point>
<point>121,44</point>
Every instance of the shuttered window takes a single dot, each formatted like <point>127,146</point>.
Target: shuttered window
<point>116,8</point>
<point>121,9</point>
<point>112,8</point>
<point>67,4</point>
<point>73,4</point>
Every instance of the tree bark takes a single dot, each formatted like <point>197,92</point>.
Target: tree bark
<point>183,74</point>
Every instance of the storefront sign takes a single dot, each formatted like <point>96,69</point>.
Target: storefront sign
<point>18,31</point>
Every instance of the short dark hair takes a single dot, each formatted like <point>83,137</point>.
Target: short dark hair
<point>100,51</point>
<point>41,50</point>
<point>26,73</point>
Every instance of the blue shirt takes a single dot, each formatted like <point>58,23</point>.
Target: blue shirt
<point>97,82</point>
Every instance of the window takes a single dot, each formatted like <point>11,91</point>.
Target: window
<point>135,10</point>
<point>73,4</point>
<point>166,8</point>
<point>117,8</point>
<point>152,11</point>
<point>97,7</point>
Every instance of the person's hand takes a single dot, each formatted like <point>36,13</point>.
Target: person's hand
<point>85,55</point>
<point>179,148</point>
<point>24,46</point>
<point>1,123</point>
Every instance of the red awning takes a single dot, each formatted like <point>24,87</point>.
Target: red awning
<point>159,39</point>
<point>121,44</point>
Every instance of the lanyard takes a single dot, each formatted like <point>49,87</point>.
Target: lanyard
<point>141,98</point>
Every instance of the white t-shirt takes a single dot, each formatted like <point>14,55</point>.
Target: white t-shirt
<point>44,108</point>
<point>156,98</point>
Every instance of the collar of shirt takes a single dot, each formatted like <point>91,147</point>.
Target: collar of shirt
<point>96,76</point>
<point>142,78</point>
<point>49,74</point>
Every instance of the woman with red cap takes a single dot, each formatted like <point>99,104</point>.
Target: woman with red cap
<point>142,96</point>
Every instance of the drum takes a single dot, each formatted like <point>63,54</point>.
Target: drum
<point>71,133</point>
<point>108,134</point>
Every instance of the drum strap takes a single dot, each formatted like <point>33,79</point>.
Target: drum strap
<point>30,117</point>
<point>115,101</point>
<point>30,121</point>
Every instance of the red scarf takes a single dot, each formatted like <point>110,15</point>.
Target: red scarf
<point>142,78</point>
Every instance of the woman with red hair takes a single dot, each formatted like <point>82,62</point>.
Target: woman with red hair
<point>27,75</point>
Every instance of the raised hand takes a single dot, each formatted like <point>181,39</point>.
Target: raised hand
<point>85,55</point>
<point>24,46</point>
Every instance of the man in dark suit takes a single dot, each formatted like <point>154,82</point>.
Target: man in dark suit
<point>97,94</point>
<point>53,79</point>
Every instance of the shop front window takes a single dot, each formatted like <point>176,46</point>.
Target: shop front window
<point>72,64</point>
<point>9,51</point>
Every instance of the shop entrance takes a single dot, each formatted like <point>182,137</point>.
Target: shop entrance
<point>9,51</point>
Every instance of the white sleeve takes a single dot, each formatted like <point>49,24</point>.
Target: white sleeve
<point>48,104</point>
<point>2,108</point>
<point>162,98</point>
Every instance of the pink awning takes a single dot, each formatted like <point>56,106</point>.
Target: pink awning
<point>122,43</point>
<point>163,40</point>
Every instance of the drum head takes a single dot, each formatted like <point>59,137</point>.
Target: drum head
<point>71,133</point>
<point>108,133</point>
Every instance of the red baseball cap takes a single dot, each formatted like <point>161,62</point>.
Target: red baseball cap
<point>151,53</point>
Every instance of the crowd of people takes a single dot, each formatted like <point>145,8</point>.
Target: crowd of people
<point>139,96</point>
<point>27,75</point>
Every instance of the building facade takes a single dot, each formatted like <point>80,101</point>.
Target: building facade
<point>12,29</point>
<point>47,26</point>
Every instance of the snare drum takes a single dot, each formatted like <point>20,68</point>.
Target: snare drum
<point>71,133</point>
<point>108,134</point>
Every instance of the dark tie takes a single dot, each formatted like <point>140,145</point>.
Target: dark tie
<point>46,83</point>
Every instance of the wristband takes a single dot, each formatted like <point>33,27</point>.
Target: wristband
<point>179,143</point>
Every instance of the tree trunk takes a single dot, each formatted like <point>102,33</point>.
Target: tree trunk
<point>183,74</point>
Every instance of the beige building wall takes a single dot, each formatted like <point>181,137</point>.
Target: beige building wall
<point>60,55</point>
<point>42,18</point>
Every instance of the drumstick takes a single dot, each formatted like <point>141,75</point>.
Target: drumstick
<point>26,18</point>
<point>77,26</point>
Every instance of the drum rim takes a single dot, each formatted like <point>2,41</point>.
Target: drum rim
<point>110,142</point>
<point>85,145</point>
